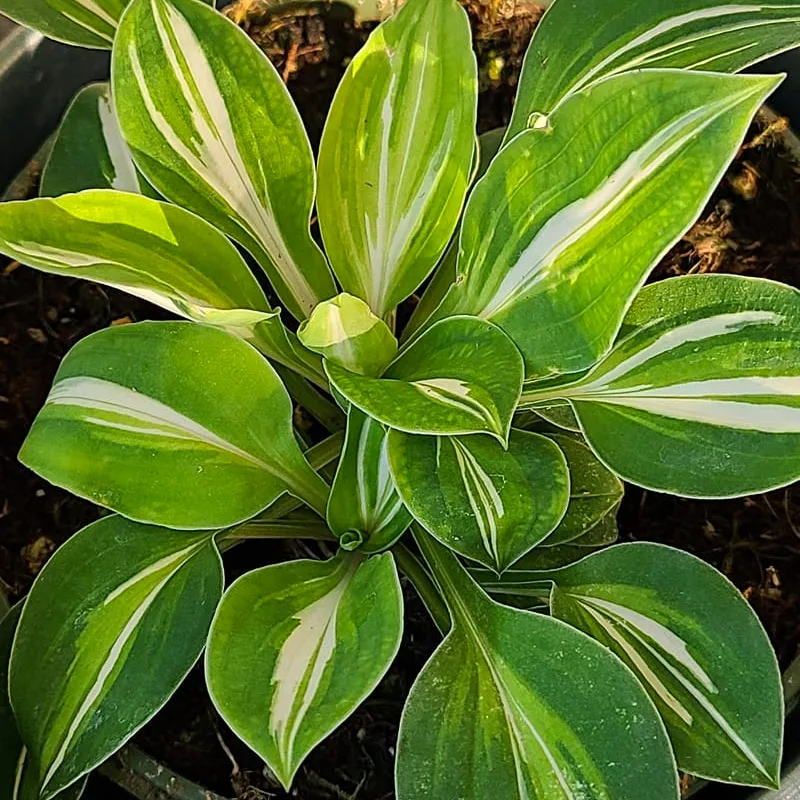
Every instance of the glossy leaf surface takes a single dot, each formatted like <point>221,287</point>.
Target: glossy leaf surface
<point>518,706</point>
<point>594,491</point>
<point>154,250</point>
<point>580,42</point>
<point>567,223</point>
<point>171,423</point>
<point>397,150</point>
<point>364,502</point>
<point>697,646</point>
<point>488,503</point>
<point>213,128</point>
<point>112,625</point>
<point>701,395</point>
<point>296,647</point>
<point>461,376</point>
<point>89,151</point>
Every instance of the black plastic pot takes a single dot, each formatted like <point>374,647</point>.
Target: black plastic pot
<point>38,78</point>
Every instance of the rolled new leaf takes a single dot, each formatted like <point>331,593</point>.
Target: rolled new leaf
<point>698,647</point>
<point>463,375</point>
<point>347,333</point>
<point>296,647</point>
<point>701,395</point>
<point>518,705</point>
<point>171,423</point>
<point>579,43</point>
<point>111,627</point>
<point>398,145</point>
<point>573,258</point>
<point>487,503</point>
<point>364,506</point>
<point>89,151</point>
<point>212,127</point>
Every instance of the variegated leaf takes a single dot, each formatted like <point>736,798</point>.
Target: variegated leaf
<point>695,644</point>
<point>485,502</point>
<point>112,625</point>
<point>701,395</point>
<point>171,423</point>
<point>296,647</point>
<point>463,375</point>
<point>89,151</point>
<point>213,128</point>
<point>347,333</point>
<point>156,251</point>
<point>580,42</point>
<point>572,257</point>
<point>88,23</point>
<point>399,145</point>
<point>594,492</point>
<point>517,706</point>
<point>364,506</point>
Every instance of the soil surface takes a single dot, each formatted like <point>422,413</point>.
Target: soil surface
<point>751,226</point>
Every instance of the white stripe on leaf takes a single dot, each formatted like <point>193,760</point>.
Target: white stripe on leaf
<point>138,413</point>
<point>456,394</point>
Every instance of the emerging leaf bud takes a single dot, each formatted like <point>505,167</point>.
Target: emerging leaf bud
<point>345,331</point>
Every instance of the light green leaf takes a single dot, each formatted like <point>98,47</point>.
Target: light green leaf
<point>695,644</point>
<point>518,706</point>
<point>488,503</point>
<point>172,423</point>
<point>463,375</point>
<point>89,151</point>
<point>347,333</point>
<point>213,128</point>
<point>396,154</point>
<point>296,647</point>
<point>154,250</point>
<point>364,505</point>
<point>701,395</point>
<point>88,23</point>
<point>580,42</point>
<point>112,625</point>
<point>572,257</point>
<point>558,413</point>
<point>594,492</point>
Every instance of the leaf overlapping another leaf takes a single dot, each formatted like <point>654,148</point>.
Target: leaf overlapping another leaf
<point>212,127</point>
<point>566,224</point>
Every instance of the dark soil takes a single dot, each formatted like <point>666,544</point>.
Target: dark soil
<point>751,226</point>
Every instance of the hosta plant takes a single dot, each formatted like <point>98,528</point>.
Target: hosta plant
<point>476,447</point>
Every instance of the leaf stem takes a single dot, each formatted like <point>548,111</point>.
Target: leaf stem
<point>424,585</point>
<point>327,413</point>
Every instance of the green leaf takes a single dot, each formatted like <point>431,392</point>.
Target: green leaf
<point>580,42</point>
<point>88,23</point>
<point>517,706</point>
<point>89,151</point>
<point>363,500</point>
<point>706,375</point>
<point>559,413</point>
<point>213,128</point>
<point>112,625</point>
<point>347,333</point>
<point>398,145</point>
<point>695,644</point>
<point>594,491</point>
<point>154,250</point>
<point>485,502</point>
<point>10,743</point>
<point>572,257</point>
<point>172,423</point>
<point>296,647</point>
<point>462,375</point>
